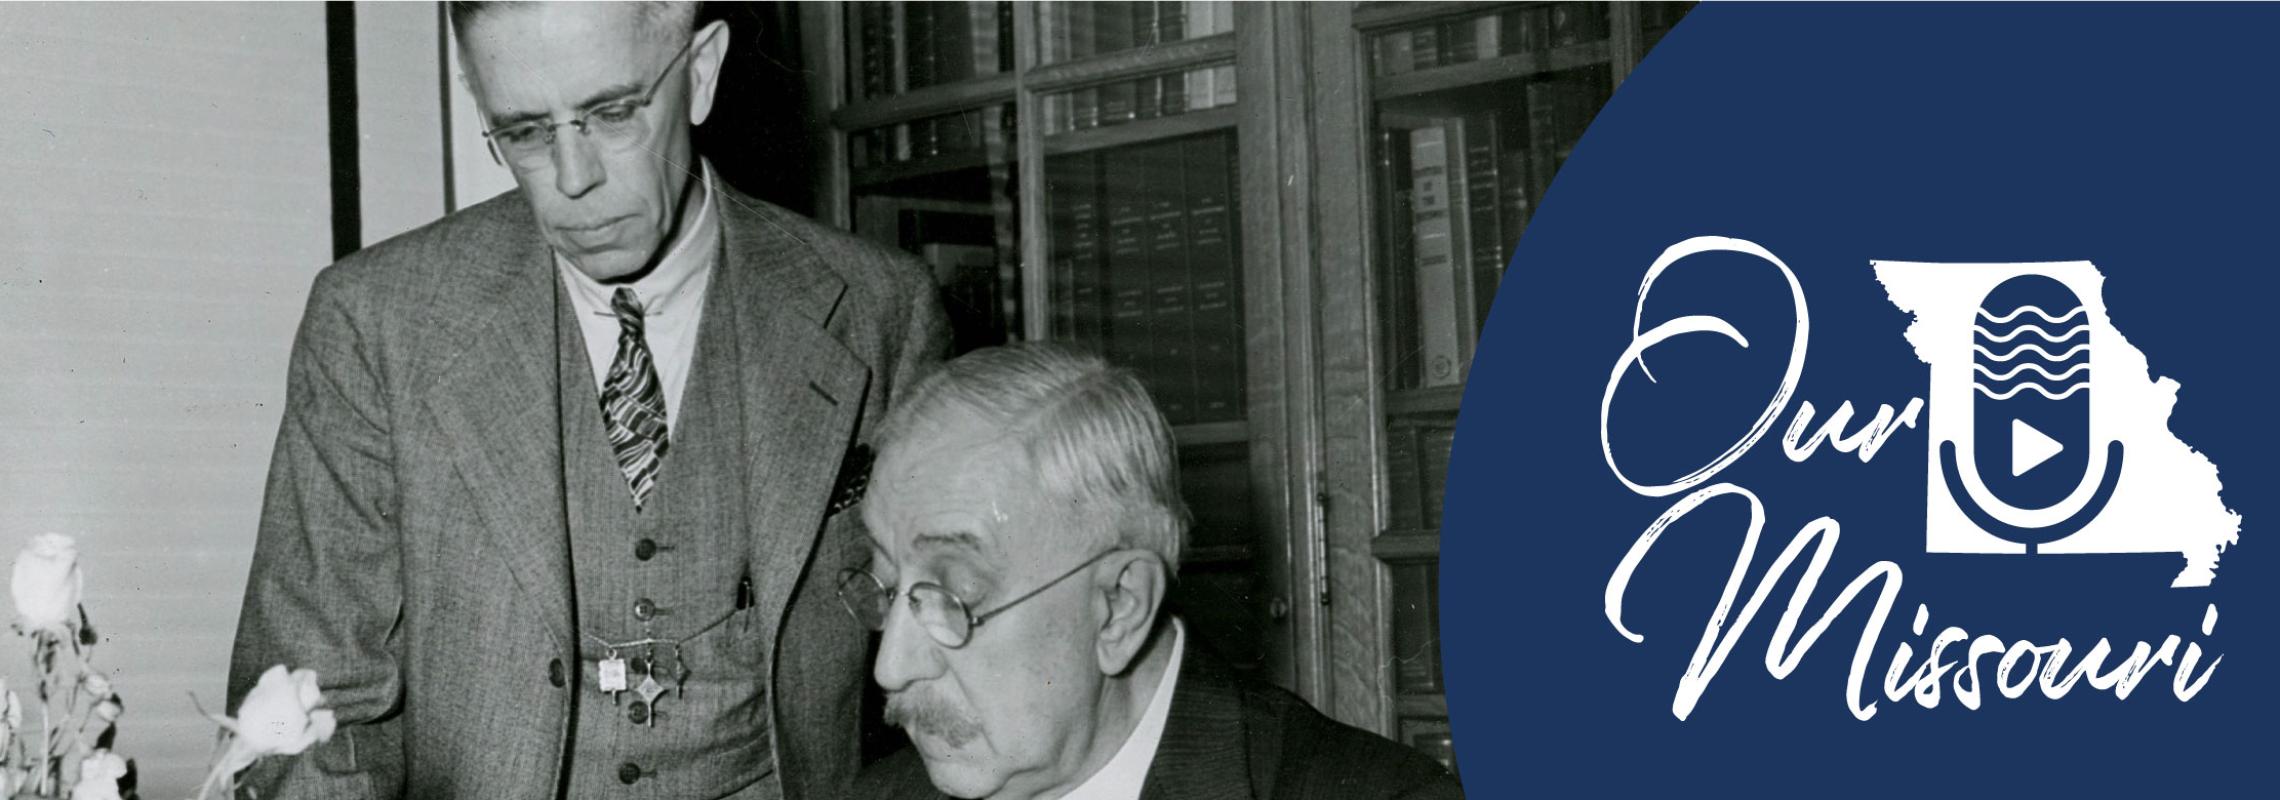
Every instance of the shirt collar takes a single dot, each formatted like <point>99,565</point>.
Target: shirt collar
<point>662,291</point>
<point>1123,775</point>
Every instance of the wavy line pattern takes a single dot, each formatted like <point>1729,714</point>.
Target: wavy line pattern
<point>2031,366</point>
<point>1984,334</point>
<point>2037,311</point>
<point>2046,355</point>
<point>2007,394</point>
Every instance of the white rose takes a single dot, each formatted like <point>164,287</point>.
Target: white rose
<point>98,686</point>
<point>47,583</point>
<point>279,717</point>
<point>99,776</point>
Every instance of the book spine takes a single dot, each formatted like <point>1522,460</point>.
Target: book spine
<point>1213,255</point>
<point>1147,97</point>
<point>1171,21</point>
<point>1433,443</point>
<point>1112,26</point>
<point>1514,176</point>
<point>1171,93</point>
<point>1060,230</point>
<point>1084,108</point>
<point>1459,42</point>
<point>1171,305</point>
<point>1460,240</point>
<point>1483,225</point>
<point>1431,212</point>
<point>1425,47</point>
<point>873,40</point>
<point>1118,102</point>
<point>1523,30</point>
<point>1083,28</point>
<point>1001,45</point>
<point>1395,53</point>
<point>1147,25</point>
<point>1543,98</point>
<point>1087,250</point>
<point>1223,85</point>
<point>1488,35</point>
<point>1400,263</point>
<point>1405,477</point>
<point>1123,183</point>
<point>898,48</point>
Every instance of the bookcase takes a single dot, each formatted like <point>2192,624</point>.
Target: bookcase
<point>1288,218</point>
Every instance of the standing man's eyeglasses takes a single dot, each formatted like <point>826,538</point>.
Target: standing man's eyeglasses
<point>942,613</point>
<point>615,126</point>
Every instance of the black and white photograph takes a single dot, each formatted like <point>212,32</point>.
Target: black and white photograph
<point>752,400</point>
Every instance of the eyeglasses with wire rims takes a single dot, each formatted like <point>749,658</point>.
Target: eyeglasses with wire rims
<point>944,615</point>
<point>616,125</point>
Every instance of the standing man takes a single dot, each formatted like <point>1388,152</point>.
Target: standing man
<point>561,484</point>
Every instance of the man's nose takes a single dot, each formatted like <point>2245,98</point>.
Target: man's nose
<point>577,165</point>
<point>906,653</point>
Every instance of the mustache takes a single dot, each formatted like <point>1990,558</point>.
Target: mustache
<point>931,716</point>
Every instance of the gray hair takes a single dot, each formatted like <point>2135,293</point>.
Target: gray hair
<point>1089,430</point>
<point>659,18</point>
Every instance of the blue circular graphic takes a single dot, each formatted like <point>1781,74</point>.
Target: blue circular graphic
<point>1892,159</point>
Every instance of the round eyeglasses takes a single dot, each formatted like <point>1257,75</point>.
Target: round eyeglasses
<point>617,125</point>
<point>945,617</point>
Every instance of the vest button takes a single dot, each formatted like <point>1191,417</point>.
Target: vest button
<point>556,674</point>
<point>629,772</point>
<point>638,713</point>
<point>645,549</point>
<point>644,609</point>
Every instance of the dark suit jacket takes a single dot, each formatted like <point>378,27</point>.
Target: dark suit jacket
<point>1231,738</point>
<point>413,545</point>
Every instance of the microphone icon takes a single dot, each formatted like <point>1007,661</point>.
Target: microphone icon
<point>2030,411</point>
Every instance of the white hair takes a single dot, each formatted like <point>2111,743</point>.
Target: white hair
<point>1089,430</point>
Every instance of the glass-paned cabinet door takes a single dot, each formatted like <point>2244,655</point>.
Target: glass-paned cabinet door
<point>1068,31</point>
<point>894,48</point>
<point>1471,113</point>
<point>1145,268</point>
<point>943,188</point>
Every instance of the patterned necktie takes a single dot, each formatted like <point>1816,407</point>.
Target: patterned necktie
<point>633,403</point>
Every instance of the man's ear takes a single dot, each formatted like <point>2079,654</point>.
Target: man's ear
<point>1134,597</point>
<point>705,58</point>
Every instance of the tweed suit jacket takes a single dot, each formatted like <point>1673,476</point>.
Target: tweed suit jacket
<point>1227,737</point>
<point>413,545</point>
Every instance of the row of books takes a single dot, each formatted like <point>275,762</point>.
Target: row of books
<point>1459,191</point>
<point>1077,30</point>
<point>969,132</point>
<point>1148,97</point>
<point>1147,267</point>
<point>1417,470</point>
<point>904,46</point>
<point>1531,29</point>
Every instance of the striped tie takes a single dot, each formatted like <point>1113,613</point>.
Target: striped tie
<point>633,405</point>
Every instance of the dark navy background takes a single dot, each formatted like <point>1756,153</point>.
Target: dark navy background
<point>2139,138</point>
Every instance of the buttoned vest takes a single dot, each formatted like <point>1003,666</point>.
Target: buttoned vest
<point>676,571</point>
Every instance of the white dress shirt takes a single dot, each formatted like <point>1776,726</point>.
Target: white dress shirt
<point>672,299</point>
<point>1122,776</point>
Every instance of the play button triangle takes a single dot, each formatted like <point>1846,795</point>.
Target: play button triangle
<point>2030,448</point>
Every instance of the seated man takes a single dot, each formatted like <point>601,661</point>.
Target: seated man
<point>1025,524</point>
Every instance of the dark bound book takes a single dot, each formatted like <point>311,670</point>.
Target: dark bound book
<point>1404,477</point>
<point>1484,190</point>
<point>1124,179</point>
<point>1214,267</point>
<point>1088,249</point>
<point>1433,442</point>
<point>1171,308</point>
<point>1396,240</point>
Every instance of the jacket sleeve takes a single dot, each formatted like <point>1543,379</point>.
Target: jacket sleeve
<point>325,590</point>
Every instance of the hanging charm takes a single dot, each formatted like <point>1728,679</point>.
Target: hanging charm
<point>612,670</point>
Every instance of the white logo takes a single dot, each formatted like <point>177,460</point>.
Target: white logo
<point>2047,432</point>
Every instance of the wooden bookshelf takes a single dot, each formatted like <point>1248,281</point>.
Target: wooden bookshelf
<point>1195,339</point>
<point>1317,501</point>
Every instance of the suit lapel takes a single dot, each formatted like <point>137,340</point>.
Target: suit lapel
<point>802,391</point>
<point>496,401</point>
<point>1205,752</point>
